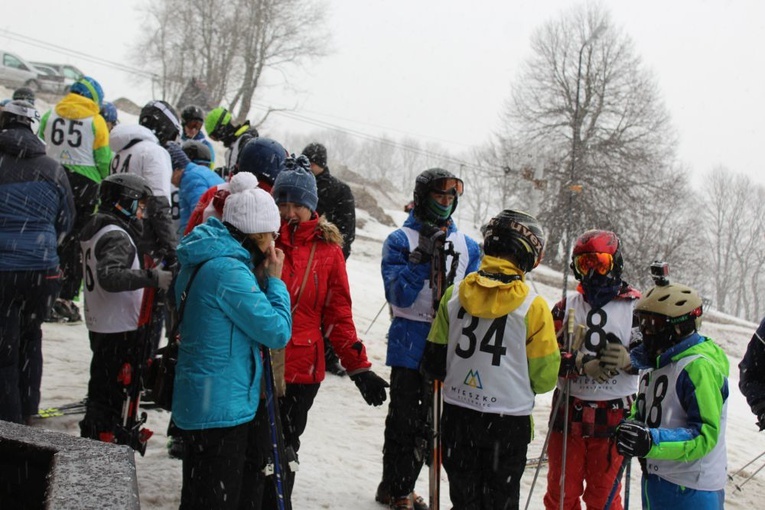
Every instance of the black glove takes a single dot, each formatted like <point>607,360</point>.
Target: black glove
<point>759,410</point>
<point>430,237</point>
<point>371,386</point>
<point>433,363</point>
<point>568,368</point>
<point>177,156</point>
<point>633,439</point>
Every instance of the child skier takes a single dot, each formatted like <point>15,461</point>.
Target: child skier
<point>115,279</point>
<point>493,344</point>
<point>677,424</point>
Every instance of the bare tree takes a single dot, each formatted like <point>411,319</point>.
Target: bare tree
<point>229,45</point>
<point>584,96</point>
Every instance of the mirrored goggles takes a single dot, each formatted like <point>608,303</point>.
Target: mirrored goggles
<point>193,124</point>
<point>600,263</point>
<point>652,324</point>
<point>448,186</point>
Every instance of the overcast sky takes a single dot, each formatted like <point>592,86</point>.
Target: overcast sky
<point>441,70</point>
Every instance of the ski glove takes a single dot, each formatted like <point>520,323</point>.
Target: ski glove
<point>161,278</point>
<point>591,367</point>
<point>633,439</point>
<point>430,237</point>
<point>177,156</point>
<point>614,356</point>
<point>568,365</point>
<point>371,386</point>
<point>759,410</point>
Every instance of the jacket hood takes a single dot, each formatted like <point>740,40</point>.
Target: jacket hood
<point>695,344</point>
<point>486,297</point>
<point>123,134</point>
<point>209,241</point>
<point>75,106</point>
<point>21,142</point>
<point>415,224</point>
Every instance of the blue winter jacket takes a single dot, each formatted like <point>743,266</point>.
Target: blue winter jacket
<point>403,281</point>
<point>36,204</point>
<point>195,181</point>
<point>227,319</point>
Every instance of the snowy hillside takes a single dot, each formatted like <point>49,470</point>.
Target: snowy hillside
<point>341,452</point>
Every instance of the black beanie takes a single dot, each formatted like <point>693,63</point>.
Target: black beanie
<point>316,153</point>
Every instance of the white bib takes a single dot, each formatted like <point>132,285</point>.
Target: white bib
<point>70,141</point>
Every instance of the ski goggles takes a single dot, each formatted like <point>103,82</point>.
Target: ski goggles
<point>452,187</point>
<point>193,124</point>
<point>600,263</point>
<point>651,324</point>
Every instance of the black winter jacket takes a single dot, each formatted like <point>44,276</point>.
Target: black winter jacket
<point>336,203</point>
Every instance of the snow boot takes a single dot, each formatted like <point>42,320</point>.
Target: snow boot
<point>383,496</point>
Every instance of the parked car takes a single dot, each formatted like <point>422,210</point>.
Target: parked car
<point>51,80</point>
<point>70,73</point>
<point>15,72</point>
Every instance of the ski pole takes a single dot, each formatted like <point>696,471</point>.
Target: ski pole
<point>375,319</point>
<point>730,477</point>
<point>738,487</point>
<point>556,406</point>
<point>627,481</point>
<point>617,480</point>
<point>567,395</point>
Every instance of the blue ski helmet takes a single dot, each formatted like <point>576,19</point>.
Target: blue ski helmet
<point>263,157</point>
<point>90,88</point>
<point>109,112</point>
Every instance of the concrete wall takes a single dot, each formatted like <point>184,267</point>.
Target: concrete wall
<point>50,470</point>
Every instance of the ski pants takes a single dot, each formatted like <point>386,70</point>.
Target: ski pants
<point>592,464</point>
<point>85,193</point>
<point>217,469</point>
<point>406,431</point>
<point>26,298</point>
<point>105,391</point>
<point>484,457</point>
<point>660,493</point>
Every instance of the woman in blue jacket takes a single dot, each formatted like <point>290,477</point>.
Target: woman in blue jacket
<point>236,305</point>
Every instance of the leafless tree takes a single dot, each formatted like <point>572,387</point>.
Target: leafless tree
<point>585,97</point>
<point>229,45</point>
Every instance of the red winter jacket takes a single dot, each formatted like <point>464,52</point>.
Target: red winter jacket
<point>325,304</point>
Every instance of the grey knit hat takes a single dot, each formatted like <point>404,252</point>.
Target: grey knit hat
<point>296,185</point>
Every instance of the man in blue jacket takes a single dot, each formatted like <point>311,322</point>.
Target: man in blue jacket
<point>406,270</point>
<point>36,212</point>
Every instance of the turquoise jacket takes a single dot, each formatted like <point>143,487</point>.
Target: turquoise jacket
<point>227,319</point>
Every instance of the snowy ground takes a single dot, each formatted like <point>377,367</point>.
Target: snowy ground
<point>341,452</point>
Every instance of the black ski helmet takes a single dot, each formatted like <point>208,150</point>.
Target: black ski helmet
<point>517,235</point>
<point>197,152</point>
<point>192,112</point>
<point>666,315</point>
<point>24,94</point>
<point>160,118</point>
<point>121,192</point>
<point>263,157</point>
<point>434,179</point>
<point>18,112</point>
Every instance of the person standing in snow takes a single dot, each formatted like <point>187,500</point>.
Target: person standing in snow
<point>115,278</point>
<point>485,429</point>
<point>110,115</point>
<point>36,212</point>
<point>192,120</point>
<point>752,375</point>
<point>236,305</point>
<point>140,150</point>
<point>191,178</point>
<point>677,423</point>
<point>337,205</point>
<point>407,257</point>
<point>315,274</point>
<point>220,128</point>
<point>598,372</point>
<point>78,138</point>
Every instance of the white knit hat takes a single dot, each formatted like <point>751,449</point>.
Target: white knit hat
<point>252,210</point>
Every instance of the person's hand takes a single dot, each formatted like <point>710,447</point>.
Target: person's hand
<point>371,386</point>
<point>430,237</point>
<point>568,365</point>
<point>614,356</point>
<point>161,278</point>
<point>178,158</point>
<point>633,439</point>
<point>592,368</point>
<point>274,261</point>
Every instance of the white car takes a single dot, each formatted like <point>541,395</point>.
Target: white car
<point>15,72</point>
